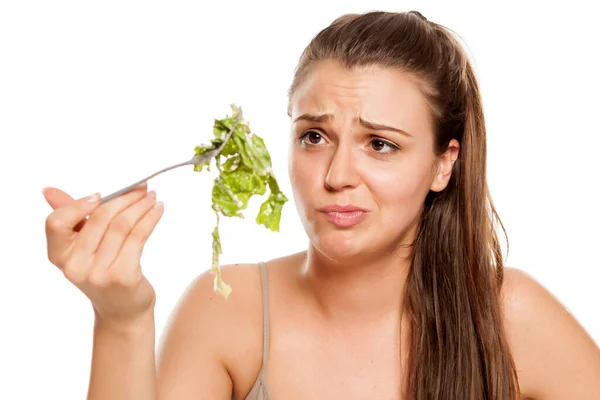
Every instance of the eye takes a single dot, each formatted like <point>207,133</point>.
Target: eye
<point>383,146</point>
<point>311,137</point>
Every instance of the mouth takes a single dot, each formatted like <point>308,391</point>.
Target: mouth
<point>344,215</point>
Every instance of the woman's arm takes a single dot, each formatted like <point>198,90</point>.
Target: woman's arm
<point>556,358</point>
<point>189,364</point>
<point>123,362</point>
<point>199,343</point>
<point>190,359</point>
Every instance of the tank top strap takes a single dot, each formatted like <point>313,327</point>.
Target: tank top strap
<point>266,314</point>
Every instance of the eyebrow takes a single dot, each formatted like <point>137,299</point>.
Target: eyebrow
<point>366,124</point>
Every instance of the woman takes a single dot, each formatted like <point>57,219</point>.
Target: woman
<point>402,292</point>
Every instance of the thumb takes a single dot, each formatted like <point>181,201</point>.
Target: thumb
<point>69,212</point>
<point>56,198</point>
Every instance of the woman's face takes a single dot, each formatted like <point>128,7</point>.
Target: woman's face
<point>361,139</point>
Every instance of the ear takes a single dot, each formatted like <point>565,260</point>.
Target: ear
<point>443,167</point>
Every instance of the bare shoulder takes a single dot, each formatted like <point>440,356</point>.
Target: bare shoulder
<point>208,336</point>
<point>200,301</point>
<point>555,357</point>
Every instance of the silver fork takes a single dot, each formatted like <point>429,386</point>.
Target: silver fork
<point>200,159</point>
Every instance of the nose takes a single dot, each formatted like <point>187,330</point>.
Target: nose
<point>343,172</point>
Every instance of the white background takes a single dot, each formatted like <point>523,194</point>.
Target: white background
<point>95,95</point>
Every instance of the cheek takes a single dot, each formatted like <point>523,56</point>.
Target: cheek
<point>304,175</point>
<point>404,186</point>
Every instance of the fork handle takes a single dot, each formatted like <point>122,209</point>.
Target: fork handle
<point>134,185</point>
<point>194,160</point>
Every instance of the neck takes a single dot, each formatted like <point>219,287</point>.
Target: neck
<point>358,290</point>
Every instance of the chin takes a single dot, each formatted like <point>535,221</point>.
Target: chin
<point>342,245</point>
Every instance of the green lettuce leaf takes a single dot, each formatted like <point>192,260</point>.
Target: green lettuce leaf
<point>244,170</point>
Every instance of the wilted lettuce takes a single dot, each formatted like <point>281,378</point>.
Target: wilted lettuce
<point>244,170</point>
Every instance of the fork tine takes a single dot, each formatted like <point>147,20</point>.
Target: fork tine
<point>204,157</point>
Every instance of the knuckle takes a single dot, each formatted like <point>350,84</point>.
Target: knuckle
<point>54,258</point>
<point>131,278</point>
<point>53,223</point>
<point>98,216</point>
<point>70,267</point>
<point>121,278</point>
<point>98,278</point>
<point>121,225</point>
<point>127,281</point>
<point>138,234</point>
<point>74,273</point>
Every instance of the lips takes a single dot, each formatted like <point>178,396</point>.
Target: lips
<point>341,208</point>
<point>344,215</point>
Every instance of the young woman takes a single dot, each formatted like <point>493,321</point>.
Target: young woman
<point>402,292</point>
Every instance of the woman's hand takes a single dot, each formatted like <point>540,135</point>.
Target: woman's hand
<point>101,254</point>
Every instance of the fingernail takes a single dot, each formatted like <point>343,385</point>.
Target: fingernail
<point>159,205</point>
<point>93,198</point>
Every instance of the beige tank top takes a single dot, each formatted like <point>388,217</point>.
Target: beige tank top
<point>260,390</point>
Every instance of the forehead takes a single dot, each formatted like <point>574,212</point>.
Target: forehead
<point>384,95</point>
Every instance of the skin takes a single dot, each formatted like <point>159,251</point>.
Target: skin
<point>335,308</point>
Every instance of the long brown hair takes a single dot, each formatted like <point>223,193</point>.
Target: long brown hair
<point>458,348</point>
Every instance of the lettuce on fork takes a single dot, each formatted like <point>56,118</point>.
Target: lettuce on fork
<point>244,170</point>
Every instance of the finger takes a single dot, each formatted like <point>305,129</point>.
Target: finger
<point>91,234</point>
<point>67,211</point>
<point>61,222</point>
<point>127,264</point>
<point>76,268</point>
<point>56,198</point>
<point>118,230</point>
